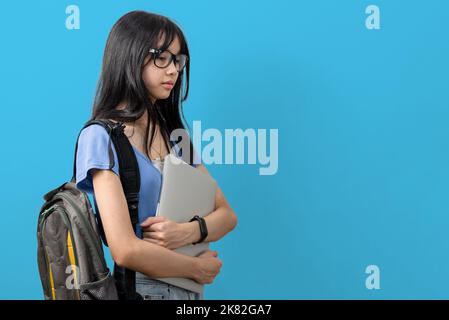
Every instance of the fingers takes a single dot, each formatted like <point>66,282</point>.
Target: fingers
<point>153,235</point>
<point>156,238</point>
<point>151,241</point>
<point>208,253</point>
<point>152,220</point>
<point>216,270</point>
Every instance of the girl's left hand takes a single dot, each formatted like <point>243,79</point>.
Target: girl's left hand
<point>164,232</point>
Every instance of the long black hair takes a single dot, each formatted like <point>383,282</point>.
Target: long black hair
<point>126,48</point>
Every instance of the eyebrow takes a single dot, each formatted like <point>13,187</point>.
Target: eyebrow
<point>176,53</point>
<point>179,52</point>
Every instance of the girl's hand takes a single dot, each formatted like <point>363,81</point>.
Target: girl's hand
<point>208,267</point>
<point>164,232</point>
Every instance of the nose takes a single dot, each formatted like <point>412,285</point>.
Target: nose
<point>171,69</point>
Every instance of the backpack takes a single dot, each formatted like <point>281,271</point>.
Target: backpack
<point>70,253</point>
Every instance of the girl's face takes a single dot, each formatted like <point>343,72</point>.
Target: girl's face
<point>160,81</point>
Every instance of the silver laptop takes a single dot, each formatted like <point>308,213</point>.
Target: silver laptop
<point>186,191</point>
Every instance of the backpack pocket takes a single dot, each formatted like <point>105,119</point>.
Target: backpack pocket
<point>103,289</point>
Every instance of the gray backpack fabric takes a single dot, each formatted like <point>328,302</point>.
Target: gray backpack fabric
<point>70,252</point>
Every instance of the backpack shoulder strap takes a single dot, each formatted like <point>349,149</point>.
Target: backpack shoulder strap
<point>130,179</point>
<point>128,166</point>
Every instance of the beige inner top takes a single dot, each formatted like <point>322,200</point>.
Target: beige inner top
<point>159,164</point>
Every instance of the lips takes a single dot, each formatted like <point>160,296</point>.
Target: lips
<point>167,85</point>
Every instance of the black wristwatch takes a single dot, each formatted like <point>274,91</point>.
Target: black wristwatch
<point>203,228</point>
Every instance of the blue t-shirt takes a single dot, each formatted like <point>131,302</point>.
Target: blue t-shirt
<point>93,153</point>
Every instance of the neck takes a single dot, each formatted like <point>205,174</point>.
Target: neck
<point>143,120</point>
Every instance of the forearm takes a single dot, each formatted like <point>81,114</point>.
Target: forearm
<point>158,262</point>
<point>219,223</point>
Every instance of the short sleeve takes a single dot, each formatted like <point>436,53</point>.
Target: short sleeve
<point>93,153</point>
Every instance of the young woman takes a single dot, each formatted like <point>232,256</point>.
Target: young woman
<point>144,79</point>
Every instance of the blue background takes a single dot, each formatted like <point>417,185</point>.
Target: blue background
<point>363,137</point>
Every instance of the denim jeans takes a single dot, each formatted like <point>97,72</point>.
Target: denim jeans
<point>152,289</point>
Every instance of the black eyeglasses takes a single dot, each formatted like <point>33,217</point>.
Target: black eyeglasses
<point>162,59</point>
